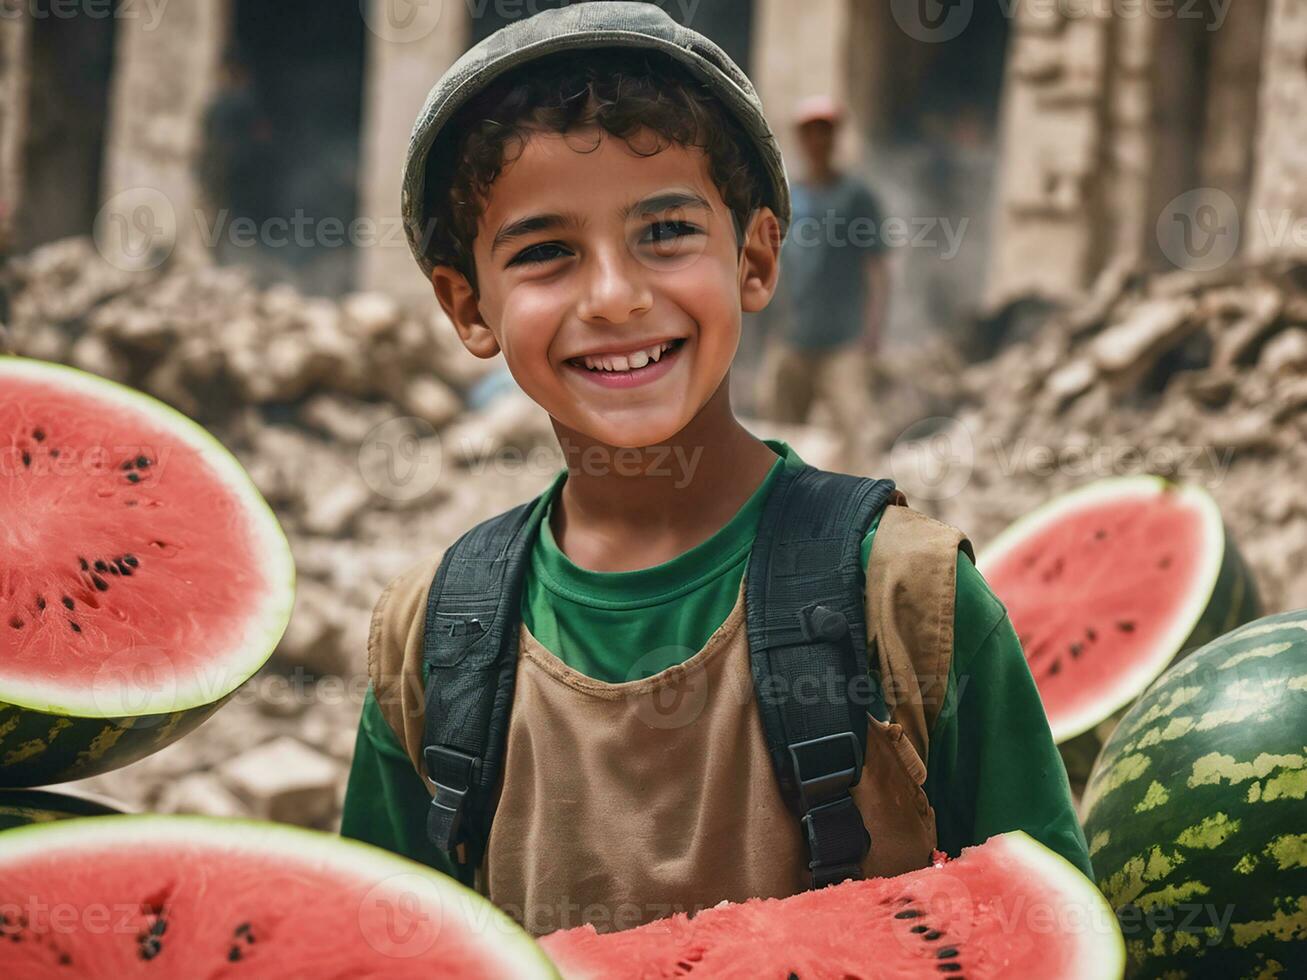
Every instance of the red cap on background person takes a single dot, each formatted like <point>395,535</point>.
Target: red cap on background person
<point>818,108</point>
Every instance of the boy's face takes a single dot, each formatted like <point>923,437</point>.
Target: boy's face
<point>594,255</point>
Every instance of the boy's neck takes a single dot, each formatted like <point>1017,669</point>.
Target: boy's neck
<point>626,509</point>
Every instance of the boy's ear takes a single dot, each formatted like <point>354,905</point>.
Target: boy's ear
<point>459,301</point>
<point>760,266</point>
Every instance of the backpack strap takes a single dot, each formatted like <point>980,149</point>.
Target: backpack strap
<point>469,643</point>
<point>805,610</point>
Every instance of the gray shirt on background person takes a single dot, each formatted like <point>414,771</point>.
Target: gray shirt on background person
<point>835,229</point>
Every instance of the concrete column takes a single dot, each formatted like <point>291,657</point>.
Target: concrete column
<point>1278,209</point>
<point>1048,226</point>
<point>14,82</point>
<point>165,74</point>
<point>802,52</point>
<point>409,47</point>
<point>1230,127</point>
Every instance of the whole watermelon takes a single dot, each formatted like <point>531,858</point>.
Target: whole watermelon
<point>1195,812</point>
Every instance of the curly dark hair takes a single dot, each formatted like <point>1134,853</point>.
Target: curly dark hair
<point>619,91</point>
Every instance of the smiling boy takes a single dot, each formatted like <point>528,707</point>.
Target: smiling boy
<point>683,673</point>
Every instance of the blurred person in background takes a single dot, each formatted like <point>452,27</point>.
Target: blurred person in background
<point>836,276</point>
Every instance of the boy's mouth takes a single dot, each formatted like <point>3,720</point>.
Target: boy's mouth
<point>631,368</point>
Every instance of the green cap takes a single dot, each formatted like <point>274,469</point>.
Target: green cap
<point>598,24</point>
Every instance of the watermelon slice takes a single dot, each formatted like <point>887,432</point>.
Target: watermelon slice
<point>1008,908</point>
<point>1107,586</point>
<point>145,577</point>
<point>20,807</point>
<point>172,897</point>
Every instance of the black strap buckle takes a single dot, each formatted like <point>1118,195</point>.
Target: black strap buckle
<point>837,841</point>
<point>825,767</point>
<point>453,772</point>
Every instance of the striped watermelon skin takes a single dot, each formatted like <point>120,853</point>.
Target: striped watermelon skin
<point>21,807</point>
<point>1196,811</point>
<point>37,747</point>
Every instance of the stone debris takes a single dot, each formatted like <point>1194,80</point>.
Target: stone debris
<point>284,780</point>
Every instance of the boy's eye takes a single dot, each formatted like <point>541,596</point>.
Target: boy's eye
<point>544,252</point>
<point>668,231</point>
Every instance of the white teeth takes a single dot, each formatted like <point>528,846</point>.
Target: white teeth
<point>625,362</point>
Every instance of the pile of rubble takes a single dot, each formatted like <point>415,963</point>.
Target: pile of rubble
<point>1197,377</point>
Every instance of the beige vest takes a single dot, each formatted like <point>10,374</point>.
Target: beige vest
<point>622,803</point>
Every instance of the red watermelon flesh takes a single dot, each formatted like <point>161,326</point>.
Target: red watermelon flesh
<point>1008,908</point>
<point>168,898</point>
<point>153,577</point>
<point>1104,586</point>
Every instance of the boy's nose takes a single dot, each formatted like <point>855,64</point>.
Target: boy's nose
<point>615,288</point>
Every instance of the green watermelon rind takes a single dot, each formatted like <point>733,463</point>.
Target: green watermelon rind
<point>1180,811</point>
<point>270,545</point>
<point>1188,616</point>
<point>504,941</point>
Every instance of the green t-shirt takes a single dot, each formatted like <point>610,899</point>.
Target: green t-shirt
<point>992,764</point>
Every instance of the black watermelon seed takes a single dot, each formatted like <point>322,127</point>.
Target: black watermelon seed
<point>947,953</point>
<point>99,583</point>
<point>1055,666</point>
<point>27,458</point>
<point>65,959</point>
<point>1090,634</point>
<point>159,926</point>
<point>128,465</point>
<point>1126,626</point>
<point>131,560</point>
<point>907,914</point>
<point>101,566</point>
<point>150,949</point>
<point>134,477</point>
<point>54,454</point>
<point>243,927</point>
<point>38,435</point>
<point>76,628</point>
<point>234,954</point>
<point>949,967</point>
<point>67,602</point>
<point>932,935</point>
<point>142,462</point>
<point>82,561</point>
<point>792,976</point>
<point>1076,648</point>
<point>15,622</point>
<point>40,602</point>
<point>919,928</point>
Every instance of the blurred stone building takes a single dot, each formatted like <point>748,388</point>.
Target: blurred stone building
<point>1023,146</point>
